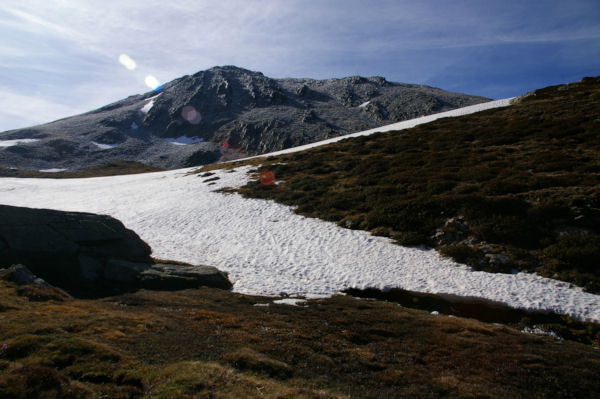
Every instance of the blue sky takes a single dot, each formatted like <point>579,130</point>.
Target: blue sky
<point>61,57</point>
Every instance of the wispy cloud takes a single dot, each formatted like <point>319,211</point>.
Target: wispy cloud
<point>34,23</point>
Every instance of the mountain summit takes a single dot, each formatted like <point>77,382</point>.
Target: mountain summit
<point>222,113</point>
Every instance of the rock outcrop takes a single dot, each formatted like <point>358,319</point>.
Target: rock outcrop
<point>88,254</point>
<point>220,114</point>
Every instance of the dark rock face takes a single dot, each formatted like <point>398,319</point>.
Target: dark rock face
<point>251,113</point>
<point>85,253</point>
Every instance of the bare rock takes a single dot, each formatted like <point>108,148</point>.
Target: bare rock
<point>165,276</point>
<point>177,276</point>
<point>124,271</point>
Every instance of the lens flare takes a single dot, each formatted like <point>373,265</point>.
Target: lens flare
<point>191,115</point>
<point>152,82</point>
<point>127,62</point>
<point>267,177</point>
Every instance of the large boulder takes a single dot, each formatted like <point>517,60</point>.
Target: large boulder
<point>85,253</point>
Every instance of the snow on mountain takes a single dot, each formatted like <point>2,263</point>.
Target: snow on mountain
<point>149,104</point>
<point>269,250</point>
<point>10,143</point>
<point>104,146</point>
<point>184,140</point>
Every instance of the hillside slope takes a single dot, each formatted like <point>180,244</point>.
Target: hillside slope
<point>220,114</point>
<point>514,188</point>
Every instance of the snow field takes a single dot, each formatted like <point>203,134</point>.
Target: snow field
<point>269,250</point>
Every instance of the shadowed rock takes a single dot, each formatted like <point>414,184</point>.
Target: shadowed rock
<point>90,255</point>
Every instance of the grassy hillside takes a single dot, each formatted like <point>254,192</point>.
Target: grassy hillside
<point>210,343</point>
<point>514,188</point>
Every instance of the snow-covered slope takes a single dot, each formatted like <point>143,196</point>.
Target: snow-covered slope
<point>267,249</point>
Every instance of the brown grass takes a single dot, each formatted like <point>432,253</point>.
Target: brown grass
<point>212,343</point>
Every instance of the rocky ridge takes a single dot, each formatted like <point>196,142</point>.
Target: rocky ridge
<point>220,114</point>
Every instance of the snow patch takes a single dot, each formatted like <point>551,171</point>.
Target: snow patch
<point>105,146</point>
<point>184,140</point>
<point>148,106</point>
<point>10,143</point>
<point>290,301</point>
<point>53,170</point>
<point>539,331</point>
<point>364,104</point>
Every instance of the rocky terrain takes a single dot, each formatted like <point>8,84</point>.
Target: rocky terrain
<point>222,113</point>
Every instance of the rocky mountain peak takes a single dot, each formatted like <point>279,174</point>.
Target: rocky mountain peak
<point>187,122</point>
